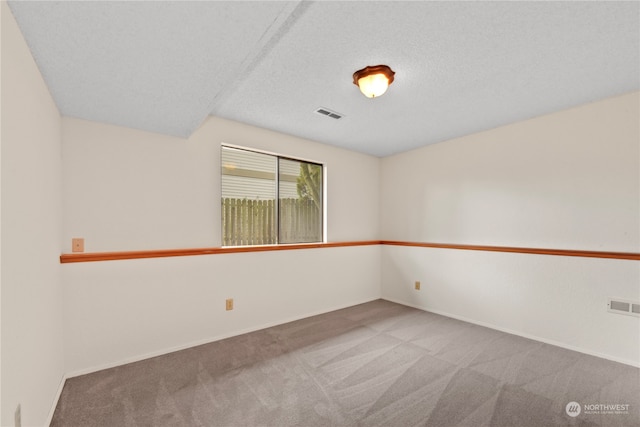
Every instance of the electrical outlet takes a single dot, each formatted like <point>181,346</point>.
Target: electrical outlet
<point>77,244</point>
<point>417,285</point>
<point>17,416</point>
<point>230,304</point>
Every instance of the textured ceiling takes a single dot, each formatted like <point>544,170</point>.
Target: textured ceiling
<point>461,67</point>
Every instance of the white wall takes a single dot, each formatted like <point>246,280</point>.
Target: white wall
<point>119,311</point>
<point>130,190</point>
<point>566,180</point>
<point>1,20</point>
<point>569,180</point>
<point>32,338</point>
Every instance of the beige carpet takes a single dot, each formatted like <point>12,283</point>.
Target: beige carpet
<point>375,364</point>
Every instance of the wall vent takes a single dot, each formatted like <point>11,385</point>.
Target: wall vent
<point>326,112</point>
<point>621,306</point>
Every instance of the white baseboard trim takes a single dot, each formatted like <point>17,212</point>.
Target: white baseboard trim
<point>149,355</point>
<point>634,363</point>
<point>52,411</point>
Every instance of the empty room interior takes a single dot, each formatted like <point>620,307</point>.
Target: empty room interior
<point>298,213</point>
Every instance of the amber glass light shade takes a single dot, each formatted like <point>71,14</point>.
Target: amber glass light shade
<point>373,81</point>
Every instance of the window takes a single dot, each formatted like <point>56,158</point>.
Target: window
<point>268,199</point>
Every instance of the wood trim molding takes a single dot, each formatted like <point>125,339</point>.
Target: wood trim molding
<point>537,251</point>
<point>112,256</point>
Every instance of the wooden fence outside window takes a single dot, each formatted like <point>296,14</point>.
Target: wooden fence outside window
<point>253,222</point>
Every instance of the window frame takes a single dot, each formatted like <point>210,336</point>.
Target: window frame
<point>278,156</point>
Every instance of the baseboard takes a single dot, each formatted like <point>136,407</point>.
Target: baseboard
<point>56,399</point>
<point>634,363</point>
<point>208,340</point>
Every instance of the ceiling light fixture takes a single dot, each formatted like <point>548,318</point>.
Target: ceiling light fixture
<point>373,81</point>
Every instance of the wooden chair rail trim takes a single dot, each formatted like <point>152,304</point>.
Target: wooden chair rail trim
<point>536,251</point>
<point>111,256</point>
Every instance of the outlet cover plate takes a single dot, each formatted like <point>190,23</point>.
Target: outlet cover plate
<point>77,244</point>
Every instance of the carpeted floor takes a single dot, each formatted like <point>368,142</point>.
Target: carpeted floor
<point>375,364</point>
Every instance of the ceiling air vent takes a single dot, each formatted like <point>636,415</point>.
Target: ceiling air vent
<point>325,112</point>
<point>620,306</point>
